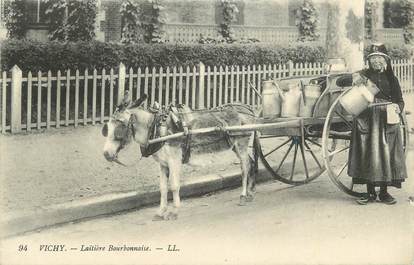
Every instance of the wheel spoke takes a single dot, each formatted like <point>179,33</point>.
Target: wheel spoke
<point>304,160</point>
<point>344,119</point>
<point>333,146</point>
<point>284,157</point>
<point>352,185</point>
<point>315,143</point>
<point>342,169</point>
<point>278,147</point>
<point>294,162</point>
<point>267,136</point>
<point>313,154</point>
<point>338,151</point>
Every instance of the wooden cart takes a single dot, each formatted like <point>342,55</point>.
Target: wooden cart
<point>299,154</point>
<point>297,150</point>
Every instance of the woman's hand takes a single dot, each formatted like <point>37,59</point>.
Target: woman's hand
<point>358,79</point>
<point>397,108</point>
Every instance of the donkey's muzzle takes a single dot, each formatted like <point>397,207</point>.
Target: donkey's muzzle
<point>108,157</point>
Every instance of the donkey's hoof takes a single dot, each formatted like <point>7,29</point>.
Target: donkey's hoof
<point>158,217</point>
<point>171,216</point>
<point>243,200</point>
<point>249,198</point>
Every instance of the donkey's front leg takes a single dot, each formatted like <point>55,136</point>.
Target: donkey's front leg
<point>175,178</point>
<point>244,173</point>
<point>160,215</point>
<point>245,195</point>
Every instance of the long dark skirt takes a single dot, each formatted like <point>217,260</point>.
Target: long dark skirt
<point>376,154</point>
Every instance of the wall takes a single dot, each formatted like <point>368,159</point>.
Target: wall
<point>190,11</point>
<point>266,13</point>
<point>111,26</point>
<point>3,33</point>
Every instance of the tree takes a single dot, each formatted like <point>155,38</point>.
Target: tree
<point>399,14</point>
<point>15,19</point>
<point>153,21</point>
<point>354,27</point>
<point>81,18</point>
<point>371,20</point>
<point>56,14</point>
<point>131,25</point>
<point>332,36</point>
<point>230,12</point>
<point>306,21</point>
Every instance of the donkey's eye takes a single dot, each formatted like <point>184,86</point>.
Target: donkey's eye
<point>105,130</point>
<point>120,132</point>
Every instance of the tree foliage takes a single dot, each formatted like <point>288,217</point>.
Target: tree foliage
<point>131,25</point>
<point>354,27</point>
<point>230,12</point>
<point>399,14</point>
<point>306,21</point>
<point>56,15</point>
<point>332,32</point>
<point>152,21</point>
<point>15,19</point>
<point>81,18</point>
<point>371,20</point>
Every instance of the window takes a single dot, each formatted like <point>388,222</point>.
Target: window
<point>1,12</point>
<point>36,11</point>
<point>294,5</point>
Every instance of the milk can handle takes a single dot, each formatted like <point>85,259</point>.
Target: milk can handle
<point>303,92</point>
<point>379,104</point>
<point>279,90</point>
<point>255,90</point>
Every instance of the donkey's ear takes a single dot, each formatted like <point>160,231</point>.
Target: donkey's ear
<point>125,102</point>
<point>132,120</point>
<point>138,102</point>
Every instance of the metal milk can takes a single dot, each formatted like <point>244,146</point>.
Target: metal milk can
<point>271,101</point>
<point>291,101</point>
<point>359,97</point>
<point>311,94</point>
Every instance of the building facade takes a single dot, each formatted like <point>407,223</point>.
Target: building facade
<point>187,20</point>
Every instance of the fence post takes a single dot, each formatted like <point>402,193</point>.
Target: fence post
<point>290,68</point>
<point>16,100</point>
<point>121,82</point>
<point>201,89</point>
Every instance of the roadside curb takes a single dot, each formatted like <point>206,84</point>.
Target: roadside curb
<point>17,223</point>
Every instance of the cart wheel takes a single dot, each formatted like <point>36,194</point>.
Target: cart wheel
<point>293,160</point>
<point>338,125</point>
<point>405,132</point>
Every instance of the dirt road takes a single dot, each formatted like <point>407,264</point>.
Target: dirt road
<point>309,224</point>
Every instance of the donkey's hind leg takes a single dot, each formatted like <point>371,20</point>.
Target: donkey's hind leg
<point>175,166</point>
<point>241,149</point>
<point>161,213</point>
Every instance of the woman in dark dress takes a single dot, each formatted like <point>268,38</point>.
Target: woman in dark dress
<point>376,156</point>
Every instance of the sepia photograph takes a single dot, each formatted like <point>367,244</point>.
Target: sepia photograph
<point>207,132</point>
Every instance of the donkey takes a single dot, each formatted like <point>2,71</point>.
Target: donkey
<point>131,122</point>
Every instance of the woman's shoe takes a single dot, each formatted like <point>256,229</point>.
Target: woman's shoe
<point>364,200</point>
<point>387,198</point>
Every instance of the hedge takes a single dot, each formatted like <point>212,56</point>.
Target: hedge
<point>395,51</point>
<point>35,56</point>
<point>43,56</point>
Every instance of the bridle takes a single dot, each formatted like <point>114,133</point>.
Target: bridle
<point>122,132</point>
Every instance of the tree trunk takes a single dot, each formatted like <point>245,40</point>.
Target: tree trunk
<point>345,33</point>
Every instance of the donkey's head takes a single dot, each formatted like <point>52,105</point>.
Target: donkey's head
<point>124,125</point>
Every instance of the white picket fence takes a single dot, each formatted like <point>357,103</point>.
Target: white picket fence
<point>44,100</point>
